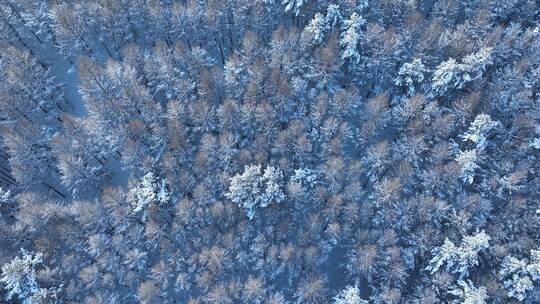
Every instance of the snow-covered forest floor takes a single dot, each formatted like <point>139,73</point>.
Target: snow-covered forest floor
<point>269,151</point>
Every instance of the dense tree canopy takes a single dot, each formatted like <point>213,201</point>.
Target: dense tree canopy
<point>270,151</point>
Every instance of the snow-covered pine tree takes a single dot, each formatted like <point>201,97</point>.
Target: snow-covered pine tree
<point>410,75</point>
<point>293,6</point>
<point>349,295</point>
<point>308,178</point>
<point>313,33</point>
<point>467,160</point>
<point>453,75</point>
<point>350,38</point>
<point>467,293</point>
<point>149,190</point>
<point>333,16</point>
<point>459,259</point>
<point>479,129</point>
<point>519,275</point>
<point>256,188</point>
<point>19,276</point>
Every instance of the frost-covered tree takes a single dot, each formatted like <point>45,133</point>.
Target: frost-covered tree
<point>350,38</point>
<point>477,134</point>
<point>518,275</point>
<point>273,186</point>
<point>474,65</point>
<point>333,16</point>
<point>314,32</point>
<point>534,265</point>
<point>150,190</point>
<point>349,295</point>
<point>446,76</point>
<point>19,276</point>
<point>71,30</point>
<point>411,74</point>
<point>503,8</point>
<point>446,252</point>
<point>37,17</point>
<point>362,4</point>
<point>535,142</point>
<point>467,293</point>
<point>31,87</point>
<point>311,290</point>
<point>82,163</point>
<point>515,277</point>
<point>459,259</point>
<point>30,101</point>
<point>336,94</point>
<point>255,188</point>
<point>293,6</point>
<point>479,129</point>
<point>453,75</point>
<point>246,189</point>
<point>467,161</point>
<point>7,202</point>
<point>5,197</point>
<point>471,246</point>
<point>46,296</point>
<point>308,178</point>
